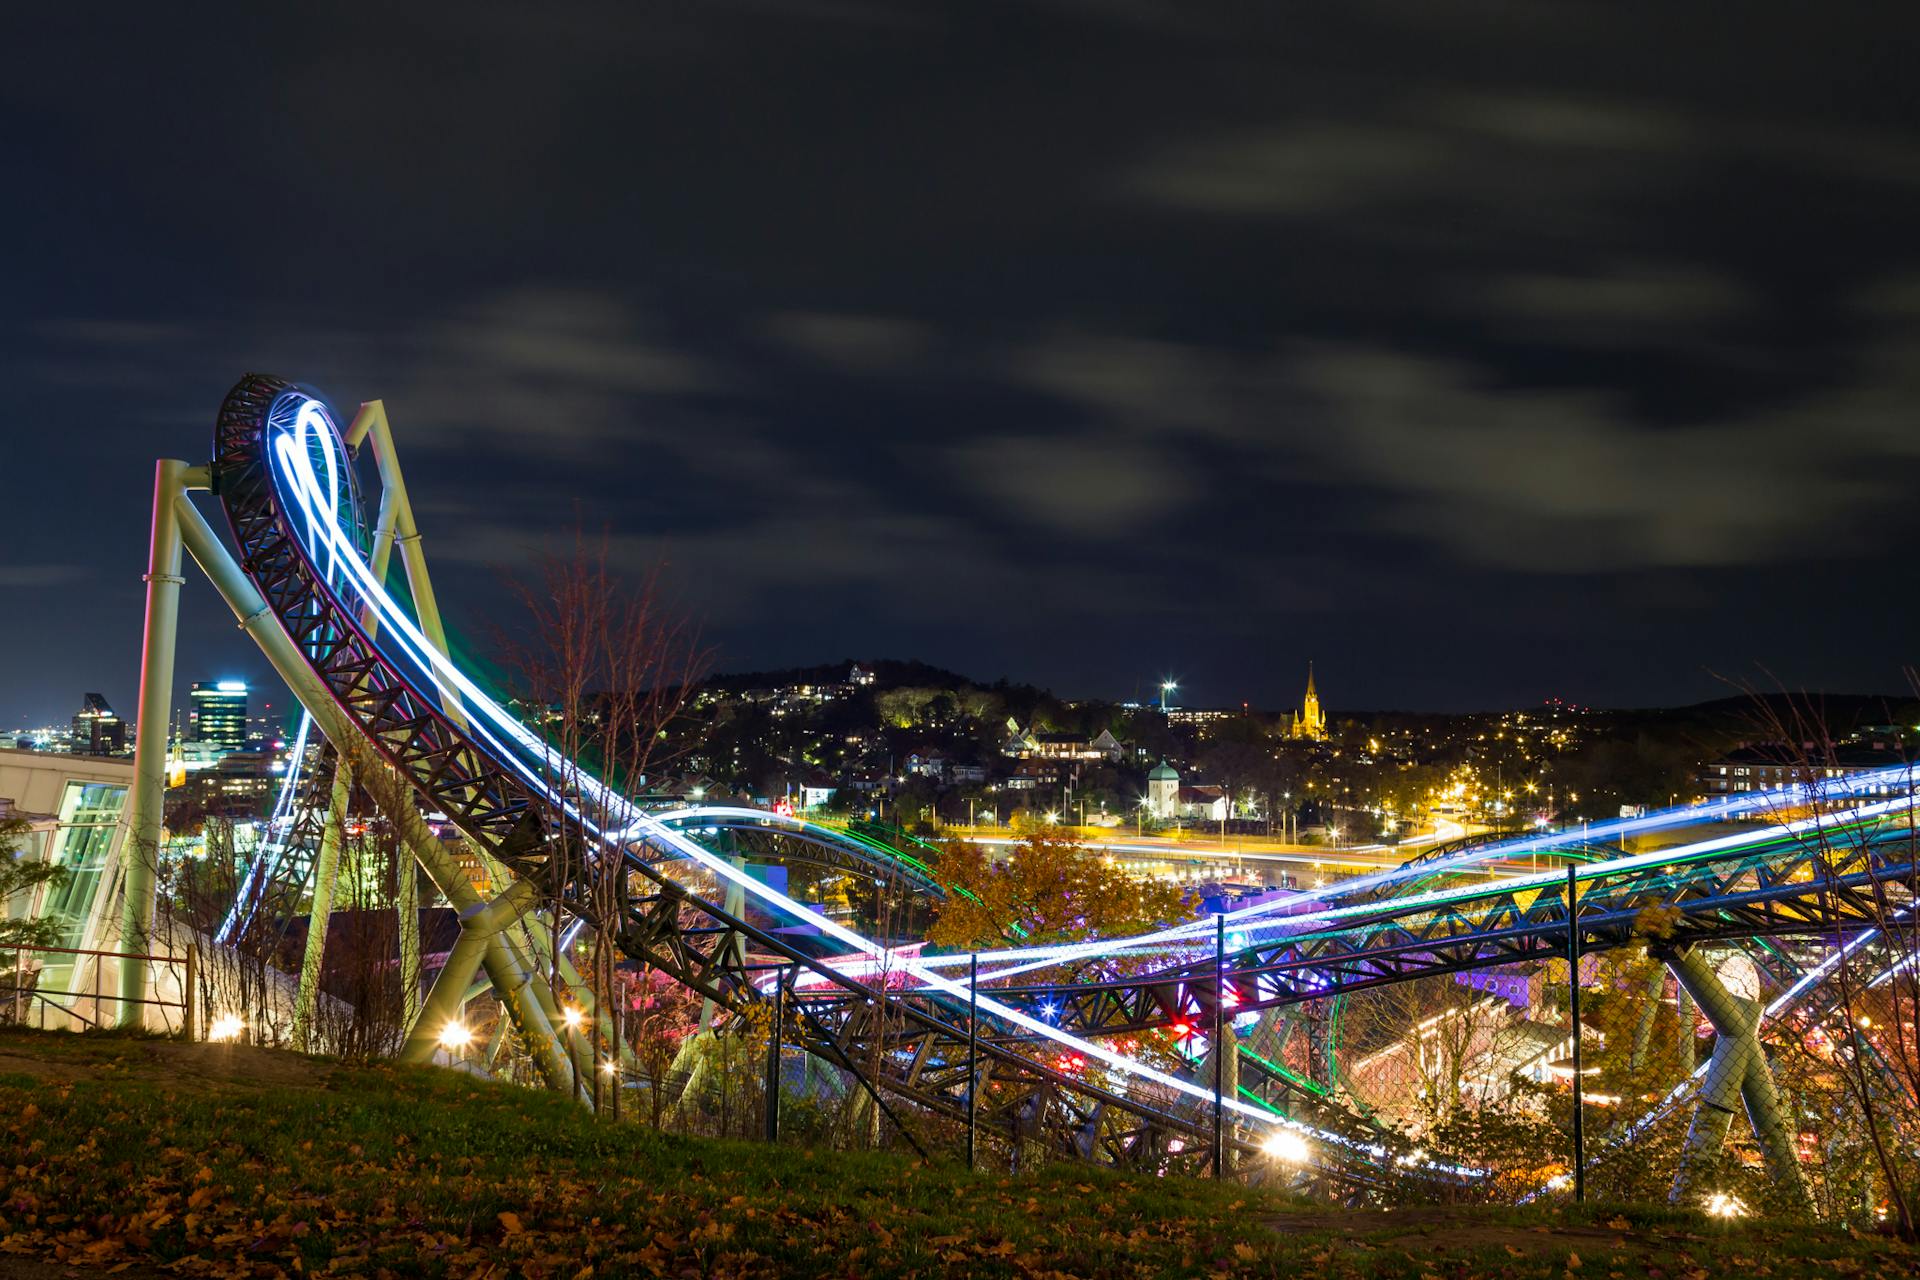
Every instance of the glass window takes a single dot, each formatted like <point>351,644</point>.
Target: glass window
<point>89,814</point>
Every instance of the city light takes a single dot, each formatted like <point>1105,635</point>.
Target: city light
<point>573,1017</point>
<point>455,1036</point>
<point>226,1027</point>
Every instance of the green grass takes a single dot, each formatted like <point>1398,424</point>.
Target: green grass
<point>245,1162</point>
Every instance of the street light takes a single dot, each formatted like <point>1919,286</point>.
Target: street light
<point>454,1038</point>
<point>1287,1147</point>
<point>1166,693</point>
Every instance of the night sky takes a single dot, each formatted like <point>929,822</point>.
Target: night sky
<point>1477,352</point>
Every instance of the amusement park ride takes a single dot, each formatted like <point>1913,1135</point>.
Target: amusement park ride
<point>1022,1051</point>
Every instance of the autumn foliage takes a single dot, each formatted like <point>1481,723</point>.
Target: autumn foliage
<point>1048,888</point>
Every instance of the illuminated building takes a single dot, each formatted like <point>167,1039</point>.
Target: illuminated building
<point>72,806</point>
<point>1163,791</point>
<point>218,721</point>
<point>97,731</point>
<point>1027,745</point>
<point>1768,765</point>
<point>1311,722</point>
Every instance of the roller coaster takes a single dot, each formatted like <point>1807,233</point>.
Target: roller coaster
<point>1044,1047</point>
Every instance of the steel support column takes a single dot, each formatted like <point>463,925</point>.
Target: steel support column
<point>140,850</point>
<point>480,925</point>
<point>257,620</point>
<point>1738,1066</point>
<point>326,868</point>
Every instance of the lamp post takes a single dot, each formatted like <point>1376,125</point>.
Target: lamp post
<point>1166,694</point>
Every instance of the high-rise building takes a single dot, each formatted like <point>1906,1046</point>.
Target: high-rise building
<point>97,731</point>
<point>217,722</point>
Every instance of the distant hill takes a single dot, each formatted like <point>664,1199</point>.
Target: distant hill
<point>1736,714</point>
<point>888,673</point>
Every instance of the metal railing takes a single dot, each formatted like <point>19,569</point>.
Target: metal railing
<point>22,991</point>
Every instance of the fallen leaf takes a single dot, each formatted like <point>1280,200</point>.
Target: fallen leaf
<point>510,1223</point>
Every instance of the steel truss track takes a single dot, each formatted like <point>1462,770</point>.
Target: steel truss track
<point>1810,889</point>
<point>771,840</point>
<point>912,1045</point>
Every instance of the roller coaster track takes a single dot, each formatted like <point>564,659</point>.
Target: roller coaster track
<point>774,837</point>
<point>279,470</point>
<point>282,475</point>
<point>1810,882</point>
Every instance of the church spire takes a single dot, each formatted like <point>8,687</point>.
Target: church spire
<point>1311,722</point>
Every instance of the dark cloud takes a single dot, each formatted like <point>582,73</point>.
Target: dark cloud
<point>1071,340</point>
<point>15,577</point>
<point>857,344</point>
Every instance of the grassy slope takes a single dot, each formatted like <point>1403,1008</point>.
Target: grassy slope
<point>118,1151</point>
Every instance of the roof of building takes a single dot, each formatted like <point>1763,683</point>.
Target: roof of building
<point>1163,772</point>
<point>1811,756</point>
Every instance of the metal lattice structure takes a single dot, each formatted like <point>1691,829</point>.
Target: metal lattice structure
<point>913,1043</point>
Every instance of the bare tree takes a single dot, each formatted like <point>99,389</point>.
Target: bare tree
<point>1864,1033</point>
<point>603,668</point>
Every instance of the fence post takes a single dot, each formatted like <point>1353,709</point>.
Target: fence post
<point>973,1056</point>
<point>775,1034</point>
<point>187,1020</point>
<point>1219,1025</point>
<point>1573,1002</point>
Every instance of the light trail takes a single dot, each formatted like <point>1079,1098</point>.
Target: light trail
<point>1195,934</point>
<point>290,452</point>
<point>308,470</point>
<point>279,822</point>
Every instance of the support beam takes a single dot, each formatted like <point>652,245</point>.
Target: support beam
<point>508,969</point>
<point>406,905</point>
<point>140,850</point>
<point>1643,1025</point>
<point>326,869</point>
<point>735,905</point>
<point>1739,1068</point>
<point>480,925</point>
<point>395,526</point>
<point>1228,1063</point>
<point>396,513</point>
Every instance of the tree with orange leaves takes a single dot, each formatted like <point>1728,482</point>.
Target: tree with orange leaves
<point>1049,888</point>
